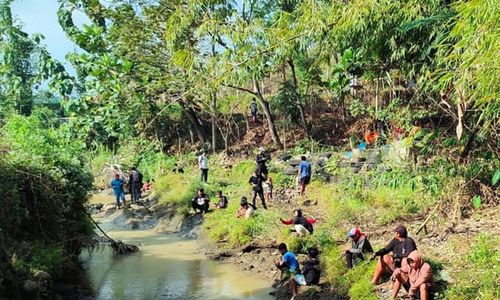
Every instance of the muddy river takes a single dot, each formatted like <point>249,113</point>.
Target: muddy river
<point>167,267</point>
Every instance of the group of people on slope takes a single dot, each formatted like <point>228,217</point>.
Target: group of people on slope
<point>400,258</point>
<point>201,201</point>
<point>135,187</point>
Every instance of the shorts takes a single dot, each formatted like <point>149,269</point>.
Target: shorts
<point>301,230</point>
<point>305,180</point>
<point>300,279</point>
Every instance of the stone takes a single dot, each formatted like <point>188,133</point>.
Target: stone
<point>109,207</point>
<point>325,155</point>
<point>294,162</point>
<point>290,171</point>
<point>30,289</point>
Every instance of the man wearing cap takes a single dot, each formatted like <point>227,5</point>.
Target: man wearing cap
<point>359,245</point>
<point>245,210</point>
<point>401,246</point>
<point>261,160</point>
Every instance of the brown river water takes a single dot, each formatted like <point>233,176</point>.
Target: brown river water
<point>167,267</point>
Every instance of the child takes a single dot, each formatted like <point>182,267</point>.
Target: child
<point>269,184</point>
<point>117,185</point>
<point>288,263</point>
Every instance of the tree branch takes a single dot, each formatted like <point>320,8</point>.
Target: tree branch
<point>240,89</point>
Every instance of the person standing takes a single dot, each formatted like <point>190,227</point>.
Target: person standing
<point>135,184</point>
<point>253,110</point>
<point>203,164</point>
<point>117,185</point>
<point>304,174</point>
<point>261,160</point>
<point>256,181</point>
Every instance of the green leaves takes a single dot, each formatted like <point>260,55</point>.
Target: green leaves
<point>496,178</point>
<point>476,201</point>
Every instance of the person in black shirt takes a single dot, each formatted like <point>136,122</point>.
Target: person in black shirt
<point>257,189</point>
<point>261,160</point>
<point>200,201</point>
<point>401,246</point>
<point>222,201</point>
<point>311,272</point>
<point>303,226</point>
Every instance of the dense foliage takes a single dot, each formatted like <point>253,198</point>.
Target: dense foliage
<point>159,76</point>
<point>45,183</point>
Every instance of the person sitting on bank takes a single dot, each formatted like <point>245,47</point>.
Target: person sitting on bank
<point>246,210</point>
<point>400,246</point>
<point>310,273</point>
<point>415,275</point>
<point>222,204</point>
<point>303,226</point>
<point>288,263</point>
<point>200,201</point>
<point>359,245</point>
<point>146,188</point>
<point>177,169</point>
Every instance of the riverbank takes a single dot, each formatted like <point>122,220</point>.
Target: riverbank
<point>374,200</point>
<point>153,272</point>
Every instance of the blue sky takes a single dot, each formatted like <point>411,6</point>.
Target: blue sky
<point>40,16</point>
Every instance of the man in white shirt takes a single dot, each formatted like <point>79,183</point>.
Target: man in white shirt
<point>203,163</point>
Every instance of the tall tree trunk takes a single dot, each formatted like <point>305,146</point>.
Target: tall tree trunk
<point>300,107</point>
<point>214,124</point>
<point>195,121</point>
<point>267,112</point>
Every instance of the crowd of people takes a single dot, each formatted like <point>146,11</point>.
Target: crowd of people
<point>400,258</point>
<point>133,183</point>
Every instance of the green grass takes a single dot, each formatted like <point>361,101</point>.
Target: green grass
<point>354,200</point>
<point>222,225</point>
<point>480,277</point>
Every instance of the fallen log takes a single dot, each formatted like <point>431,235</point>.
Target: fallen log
<point>118,246</point>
